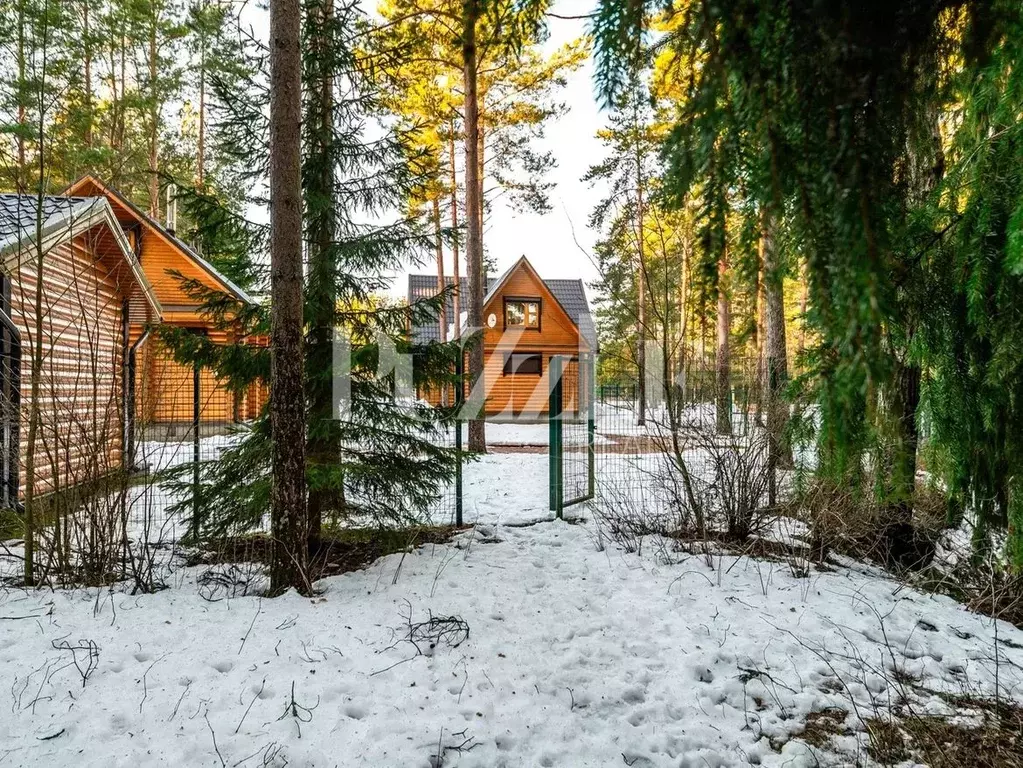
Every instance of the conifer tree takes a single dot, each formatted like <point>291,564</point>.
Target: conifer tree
<point>384,461</point>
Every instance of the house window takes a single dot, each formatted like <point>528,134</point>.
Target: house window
<point>523,363</point>
<point>519,313</point>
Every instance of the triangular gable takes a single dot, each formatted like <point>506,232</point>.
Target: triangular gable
<point>69,218</point>
<point>541,289</point>
<point>166,255</point>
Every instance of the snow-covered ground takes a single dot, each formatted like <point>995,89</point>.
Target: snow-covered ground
<point>576,655</point>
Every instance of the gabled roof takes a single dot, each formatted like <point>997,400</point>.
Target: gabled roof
<point>186,250</point>
<point>63,218</point>
<point>570,294</point>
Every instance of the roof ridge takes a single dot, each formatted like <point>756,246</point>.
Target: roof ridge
<point>172,237</point>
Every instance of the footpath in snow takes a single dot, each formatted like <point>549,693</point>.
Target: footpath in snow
<point>576,655</point>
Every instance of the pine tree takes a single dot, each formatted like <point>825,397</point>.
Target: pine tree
<point>289,525</point>
<point>384,461</point>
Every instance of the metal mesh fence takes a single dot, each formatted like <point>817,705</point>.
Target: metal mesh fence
<point>577,431</point>
<point>693,458</point>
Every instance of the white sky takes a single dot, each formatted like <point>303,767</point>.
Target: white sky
<point>546,240</point>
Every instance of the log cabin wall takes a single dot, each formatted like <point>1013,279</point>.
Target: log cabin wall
<point>80,413</point>
<point>164,388</point>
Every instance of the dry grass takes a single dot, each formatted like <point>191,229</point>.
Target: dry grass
<point>984,734</point>
<point>340,551</point>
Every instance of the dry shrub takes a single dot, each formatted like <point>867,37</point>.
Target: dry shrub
<point>842,519</point>
<point>985,733</point>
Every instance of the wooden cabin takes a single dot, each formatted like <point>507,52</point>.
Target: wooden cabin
<point>71,290</point>
<point>527,321</point>
<point>164,388</point>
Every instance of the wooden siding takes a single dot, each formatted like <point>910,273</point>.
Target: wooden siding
<point>165,389</point>
<point>557,335</point>
<point>80,405</point>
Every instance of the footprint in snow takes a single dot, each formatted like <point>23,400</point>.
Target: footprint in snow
<point>355,712</point>
<point>224,666</point>
<point>703,674</point>
<point>634,696</point>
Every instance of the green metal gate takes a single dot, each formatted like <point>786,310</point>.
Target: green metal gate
<point>571,412</point>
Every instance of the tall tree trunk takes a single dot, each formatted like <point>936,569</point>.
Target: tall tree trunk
<point>87,73</point>
<point>154,117</point>
<point>200,159</point>
<point>759,334</point>
<point>456,267</point>
<point>287,398</point>
<point>474,239</point>
<point>723,357</point>
<point>441,283</point>
<point>804,301</point>
<point>323,446</point>
<point>21,180</point>
<point>481,130</point>
<point>775,357</point>
<point>641,319</point>
<point>926,167</point>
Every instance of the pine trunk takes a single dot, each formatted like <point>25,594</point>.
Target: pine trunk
<point>87,74</point>
<point>323,448</point>
<point>200,160</point>
<point>926,167</point>
<point>456,267</point>
<point>723,358</point>
<point>443,320</point>
<point>154,127</point>
<point>641,330</point>
<point>474,239</point>
<point>22,172</point>
<point>287,401</point>
<point>775,357</point>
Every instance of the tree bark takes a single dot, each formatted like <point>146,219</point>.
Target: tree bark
<point>474,239</point>
<point>441,285</point>
<point>87,74</point>
<point>21,180</point>
<point>154,117</point>
<point>456,267</point>
<point>322,447</point>
<point>723,357</point>
<point>776,359</point>
<point>641,335</point>
<point>200,160</point>
<point>925,165</point>
<point>287,398</point>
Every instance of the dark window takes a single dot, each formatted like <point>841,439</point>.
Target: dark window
<point>520,313</point>
<point>525,363</point>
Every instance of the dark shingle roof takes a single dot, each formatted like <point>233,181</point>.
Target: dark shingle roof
<point>570,294</point>
<point>18,213</point>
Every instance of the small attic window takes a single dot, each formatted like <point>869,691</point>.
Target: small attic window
<point>522,313</point>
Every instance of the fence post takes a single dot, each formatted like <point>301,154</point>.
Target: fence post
<point>554,407</point>
<point>591,455</point>
<point>195,452</point>
<point>459,399</point>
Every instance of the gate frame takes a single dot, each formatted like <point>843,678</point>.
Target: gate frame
<point>586,369</point>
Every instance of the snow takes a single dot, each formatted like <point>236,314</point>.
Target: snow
<point>577,654</point>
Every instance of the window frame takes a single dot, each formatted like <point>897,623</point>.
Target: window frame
<point>523,300</point>
<point>509,356</point>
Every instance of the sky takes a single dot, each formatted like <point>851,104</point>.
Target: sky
<point>547,239</point>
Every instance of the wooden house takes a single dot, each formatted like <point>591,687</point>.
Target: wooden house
<point>527,321</point>
<point>72,288</point>
<point>164,388</point>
